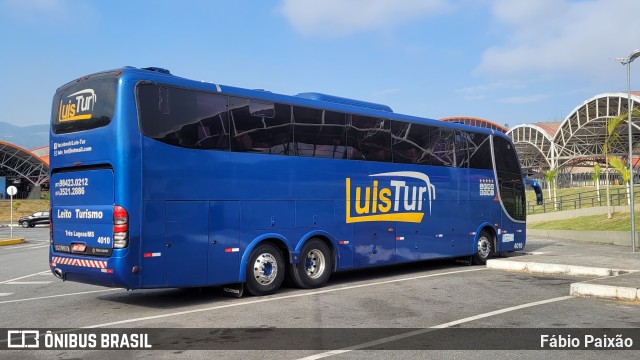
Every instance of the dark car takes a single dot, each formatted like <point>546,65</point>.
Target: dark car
<point>40,217</point>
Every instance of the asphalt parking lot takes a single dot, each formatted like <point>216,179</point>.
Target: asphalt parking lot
<point>394,308</point>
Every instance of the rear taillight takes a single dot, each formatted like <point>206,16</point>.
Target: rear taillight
<point>120,227</point>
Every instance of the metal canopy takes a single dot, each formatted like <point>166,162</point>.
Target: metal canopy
<point>18,162</point>
<point>579,138</point>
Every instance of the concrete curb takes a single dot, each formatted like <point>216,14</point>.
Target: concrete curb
<point>11,241</point>
<point>560,269</point>
<point>605,291</point>
<point>580,289</point>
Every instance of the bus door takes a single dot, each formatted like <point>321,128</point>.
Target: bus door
<point>186,243</point>
<point>375,243</point>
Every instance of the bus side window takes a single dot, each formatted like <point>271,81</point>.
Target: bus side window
<point>257,133</point>
<point>479,151</point>
<point>410,143</point>
<point>184,118</point>
<point>462,148</point>
<point>370,138</point>
<point>442,141</point>
<point>319,133</point>
<point>213,127</point>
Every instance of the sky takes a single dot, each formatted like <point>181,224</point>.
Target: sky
<point>507,61</point>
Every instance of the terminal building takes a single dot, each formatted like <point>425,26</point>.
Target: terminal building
<point>27,170</point>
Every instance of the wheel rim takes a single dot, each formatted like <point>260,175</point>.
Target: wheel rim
<point>265,269</point>
<point>314,263</point>
<point>484,247</point>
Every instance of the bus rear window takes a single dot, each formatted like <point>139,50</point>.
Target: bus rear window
<point>84,105</point>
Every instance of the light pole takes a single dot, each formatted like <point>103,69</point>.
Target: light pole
<point>627,61</point>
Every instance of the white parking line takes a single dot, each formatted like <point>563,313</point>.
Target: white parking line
<point>22,247</point>
<point>22,277</point>
<point>28,282</point>
<point>5,294</point>
<point>441,326</point>
<point>56,296</point>
<point>275,298</point>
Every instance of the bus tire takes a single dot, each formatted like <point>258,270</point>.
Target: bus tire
<point>315,265</point>
<point>265,270</point>
<point>484,248</point>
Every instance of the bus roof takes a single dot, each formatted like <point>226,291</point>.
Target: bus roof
<point>308,99</point>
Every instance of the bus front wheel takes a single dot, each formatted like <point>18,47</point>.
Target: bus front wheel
<point>265,270</point>
<point>484,248</point>
<point>314,267</point>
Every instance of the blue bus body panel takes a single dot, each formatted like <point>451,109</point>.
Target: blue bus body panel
<point>289,195</point>
<point>83,210</point>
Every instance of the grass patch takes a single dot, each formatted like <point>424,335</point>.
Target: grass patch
<point>619,222</point>
<point>21,208</point>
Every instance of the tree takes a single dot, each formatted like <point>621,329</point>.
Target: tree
<point>16,205</point>
<point>621,168</point>
<point>550,177</point>
<point>596,178</point>
<point>612,137</point>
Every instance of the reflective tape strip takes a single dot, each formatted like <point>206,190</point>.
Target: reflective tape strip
<point>399,238</point>
<point>231,250</point>
<point>99,264</point>
<point>343,242</point>
<point>148,255</point>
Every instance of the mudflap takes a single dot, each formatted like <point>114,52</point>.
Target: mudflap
<point>234,290</point>
<point>467,260</point>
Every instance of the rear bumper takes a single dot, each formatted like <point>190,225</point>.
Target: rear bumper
<point>92,270</point>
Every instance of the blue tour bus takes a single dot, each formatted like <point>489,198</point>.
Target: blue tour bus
<point>159,181</point>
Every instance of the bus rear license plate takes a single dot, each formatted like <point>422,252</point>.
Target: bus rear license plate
<point>78,248</point>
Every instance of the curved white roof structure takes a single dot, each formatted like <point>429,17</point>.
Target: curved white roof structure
<point>579,138</point>
<point>19,162</point>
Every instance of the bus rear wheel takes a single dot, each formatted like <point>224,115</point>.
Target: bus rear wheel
<point>314,267</point>
<point>265,270</point>
<point>484,248</point>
